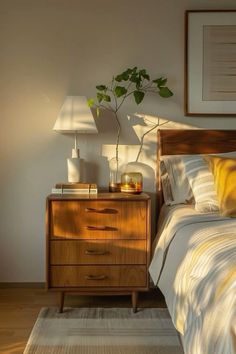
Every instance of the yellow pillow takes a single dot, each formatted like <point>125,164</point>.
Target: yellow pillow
<point>224,171</point>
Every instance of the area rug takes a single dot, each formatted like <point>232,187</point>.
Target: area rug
<point>103,331</point>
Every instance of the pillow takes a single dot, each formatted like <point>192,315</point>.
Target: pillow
<point>201,180</point>
<point>202,183</point>
<point>166,187</point>
<point>177,182</point>
<point>175,185</point>
<point>224,172</point>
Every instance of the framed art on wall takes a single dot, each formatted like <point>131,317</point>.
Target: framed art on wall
<point>210,63</point>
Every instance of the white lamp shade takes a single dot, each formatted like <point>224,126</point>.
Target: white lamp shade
<point>75,116</point>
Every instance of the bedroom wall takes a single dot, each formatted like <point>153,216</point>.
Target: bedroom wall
<point>52,48</point>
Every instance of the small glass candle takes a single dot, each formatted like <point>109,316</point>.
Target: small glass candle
<point>132,182</point>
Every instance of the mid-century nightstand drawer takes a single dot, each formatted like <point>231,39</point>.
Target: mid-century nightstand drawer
<point>98,220</point>
<point>98,276</point>
<point>98,252</point>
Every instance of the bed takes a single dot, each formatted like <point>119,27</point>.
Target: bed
<point>194,252</point>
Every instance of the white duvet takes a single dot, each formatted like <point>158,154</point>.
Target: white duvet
<point>194,264</point>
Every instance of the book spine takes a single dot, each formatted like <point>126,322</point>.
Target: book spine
<point>72,186</point>
<point>74,191</point>
<point>93,191</point>
<point>75,185</point>
<point>56,191</point>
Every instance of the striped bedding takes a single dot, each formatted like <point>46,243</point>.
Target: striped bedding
<point>194,264</point>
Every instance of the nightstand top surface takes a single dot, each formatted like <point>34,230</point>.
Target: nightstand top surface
<point>99,196</point>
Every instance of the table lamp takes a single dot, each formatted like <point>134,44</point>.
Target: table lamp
<point>75,117</point>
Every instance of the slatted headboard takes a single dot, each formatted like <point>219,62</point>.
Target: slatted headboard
<point>180,142</point>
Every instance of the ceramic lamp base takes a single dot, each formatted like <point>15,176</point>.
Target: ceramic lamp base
<point>75,169</point>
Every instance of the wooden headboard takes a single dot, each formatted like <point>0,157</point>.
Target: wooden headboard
<point>196,141</point>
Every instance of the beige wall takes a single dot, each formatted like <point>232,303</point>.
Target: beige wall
<point>51,48</point>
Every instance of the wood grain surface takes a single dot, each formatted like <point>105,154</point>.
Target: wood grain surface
<point>98,252</point>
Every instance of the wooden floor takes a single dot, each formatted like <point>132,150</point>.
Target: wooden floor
<point>19,309</point>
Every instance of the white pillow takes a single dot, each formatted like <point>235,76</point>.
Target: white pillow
<point>175,184</point>
<point>201,181</point>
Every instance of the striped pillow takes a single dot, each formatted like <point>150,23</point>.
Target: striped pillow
<point>166,185</point>
<point>176,188</point>
<point>202,183</point>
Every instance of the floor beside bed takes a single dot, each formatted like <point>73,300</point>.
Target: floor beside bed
<point>19,309</point>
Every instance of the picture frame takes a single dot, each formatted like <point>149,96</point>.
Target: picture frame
<point>210,63</point>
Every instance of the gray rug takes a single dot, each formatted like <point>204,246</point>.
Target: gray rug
<point>103,331</point>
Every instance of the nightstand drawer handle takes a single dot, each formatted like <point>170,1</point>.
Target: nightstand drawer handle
<point>95,277</point>
<point>101,211</point>
<point>93,210</point>
<point>95,253</point>
<point>101,228</point>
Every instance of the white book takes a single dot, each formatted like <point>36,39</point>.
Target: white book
<point>93,191</point>
<point>69,191</point>
<point>56,191</point>
<point>74,191</point>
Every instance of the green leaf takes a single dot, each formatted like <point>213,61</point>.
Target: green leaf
<point>123,77</point>
<point>126,74</point>
<point>138,96</point>
<point>165,92</point>
<point>129,71</point>
<point>120,91</point>
<point>143,73</point>
<point>98,111</point>
<point>146,76</point>
<point>100,97</point>
<point>134,77</point>
<point>106,98</point>
<point>90,102</point>
<point>119,78</point>
<point>160,82</point>
<point>101,87</point>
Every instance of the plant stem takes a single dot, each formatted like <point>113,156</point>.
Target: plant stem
<point>125,96</point>
<point>117,143</point>
<point>148,131</point>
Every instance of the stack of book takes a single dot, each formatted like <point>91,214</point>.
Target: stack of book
<point>75,188</point>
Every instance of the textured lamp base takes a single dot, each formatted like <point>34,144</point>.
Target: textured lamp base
<point>75,169</point>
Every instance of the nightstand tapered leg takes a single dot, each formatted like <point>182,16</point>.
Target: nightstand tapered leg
<point>134,301</point>
<point>62,298</point>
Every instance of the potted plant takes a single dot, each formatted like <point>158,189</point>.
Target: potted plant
<point>135,83</point>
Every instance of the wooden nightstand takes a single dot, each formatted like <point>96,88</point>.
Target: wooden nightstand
<point>98,244</point>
